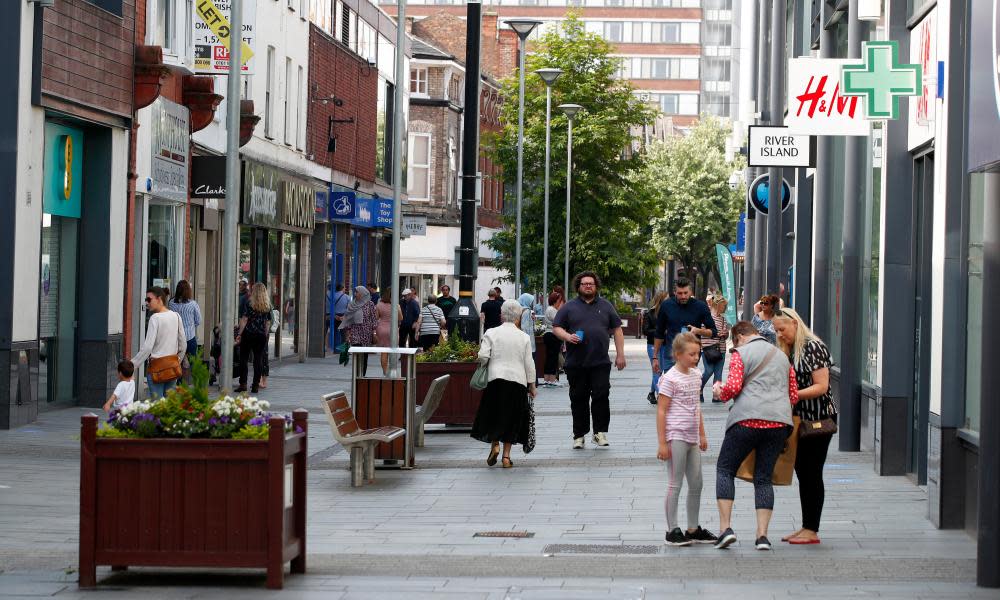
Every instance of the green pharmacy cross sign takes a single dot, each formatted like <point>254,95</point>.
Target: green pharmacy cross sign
<point>881,79</point>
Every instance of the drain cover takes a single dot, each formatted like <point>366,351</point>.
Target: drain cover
<point>505,534</point>
<point>601,549</point>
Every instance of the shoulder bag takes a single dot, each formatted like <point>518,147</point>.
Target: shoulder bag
<point>481,378</point>
<point>166,368</point>
<point>713,353</point>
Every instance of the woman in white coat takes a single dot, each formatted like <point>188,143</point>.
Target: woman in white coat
<point>504,414</point>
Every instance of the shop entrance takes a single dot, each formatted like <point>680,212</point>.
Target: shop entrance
<point>57,309</point>
<point>919,409</point>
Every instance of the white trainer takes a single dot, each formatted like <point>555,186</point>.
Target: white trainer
<point>601,438</point>
<point>578,443</point>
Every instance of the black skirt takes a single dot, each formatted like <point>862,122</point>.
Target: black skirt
<point>503,414</point>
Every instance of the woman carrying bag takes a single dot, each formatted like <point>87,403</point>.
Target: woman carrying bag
<point>713,349</point>
<point>254,327</point>
<point>164,345</point>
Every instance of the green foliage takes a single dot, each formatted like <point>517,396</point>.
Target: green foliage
<point>251,432</point>
<point>688,178</point>
<point>610,231</point>
<point>454,350</point>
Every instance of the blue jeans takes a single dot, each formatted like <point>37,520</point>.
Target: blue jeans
<point>663,359</point>
<point>159,390</point>
<point>711,369</point>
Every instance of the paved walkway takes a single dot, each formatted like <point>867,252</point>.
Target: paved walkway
<point>594,519</point>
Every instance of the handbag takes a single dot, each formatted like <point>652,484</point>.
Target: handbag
<point>165,368</point>
<point>481,378</point>
<point>784,468</point>
<point>713,353</point>
<point>811,429</point>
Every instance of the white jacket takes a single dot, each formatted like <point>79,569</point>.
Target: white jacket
<point>509,351</point>
<point>164,336</point>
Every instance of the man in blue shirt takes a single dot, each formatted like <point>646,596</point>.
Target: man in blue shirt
<point>411,312</point>
<point>682,312</point>
<point>340,302</point>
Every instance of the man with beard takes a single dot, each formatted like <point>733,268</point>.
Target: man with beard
<point>682,312</point>
<point>585,324</point>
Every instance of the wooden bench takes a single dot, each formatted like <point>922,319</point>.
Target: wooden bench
<point>359,442</point>
<point>431,402</point>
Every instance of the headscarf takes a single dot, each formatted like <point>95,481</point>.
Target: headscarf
<point>353,315</point>
<point>527,301</point>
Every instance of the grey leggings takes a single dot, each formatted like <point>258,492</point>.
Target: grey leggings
<point>685,461</point>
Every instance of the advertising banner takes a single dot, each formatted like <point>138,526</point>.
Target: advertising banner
<point>728,282</point>
<point>212,32</point>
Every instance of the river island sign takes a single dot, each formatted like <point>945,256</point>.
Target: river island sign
<point>778,147</point>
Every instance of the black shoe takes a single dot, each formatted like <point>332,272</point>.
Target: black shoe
<point>651,397</point>
<point>763,543</point>
<point>241,388</point>
<point>701,536</point>
<point>676,537</point>
<point>254,390</point>
<point>727,539</point>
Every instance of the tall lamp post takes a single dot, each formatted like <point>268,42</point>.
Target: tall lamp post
<point>523,28</point>
<point>549,76</point>
<point>570,111</point>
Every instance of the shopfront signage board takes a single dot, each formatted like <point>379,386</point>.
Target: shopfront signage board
<point>208,177</point>
<point>63,170</point>
<point>212,32</point>
<point>777,147</point>
<point>415,225</point>
<point>261,188</point>
<point>816,102</point>
<point>383,212</point>
<point>343,206</point>
<point>171,149</point>
<point>298,205</point>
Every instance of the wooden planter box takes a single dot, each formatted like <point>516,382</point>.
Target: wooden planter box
<point>460,401</point>
<point>193,503</point>
<point>633,328</point>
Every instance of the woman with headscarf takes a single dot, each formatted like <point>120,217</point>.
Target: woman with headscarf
<point>527,325</point>
<point>360,322</point>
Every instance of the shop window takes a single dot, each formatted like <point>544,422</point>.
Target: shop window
<point>419,172</point>
<point>418,82</point>
<point>163,246</point>
<point>974,327</point>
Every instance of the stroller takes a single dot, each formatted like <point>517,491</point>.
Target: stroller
<point>215,353</point>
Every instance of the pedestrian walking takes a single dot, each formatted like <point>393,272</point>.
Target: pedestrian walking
<point>253,330</point>
<point>411,312</point>
<point>649,329</point>
<point>762,384</point>
<point>340,302</point>
<point>183,303</point>
<point>383,330</point>
<point>682,312</point>
<point>359,322</point>
<point>811,360</point>
<point>489,312</point>
<point>586,324</point>
<point>500,297</point>
<point>553,345</point>
<point>505,412</point>
<point>680,429</point>
<point>373,290</point>
<point>713,347</point>
<point>164,344</point>
<point>447,302</point>
<point>527,302</point>
<point>429,324</point>
<point>763,313</point>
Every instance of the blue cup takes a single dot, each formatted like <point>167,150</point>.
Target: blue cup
<point>579,334</point>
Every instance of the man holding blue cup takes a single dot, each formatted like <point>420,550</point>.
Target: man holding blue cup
<point>588,363</point>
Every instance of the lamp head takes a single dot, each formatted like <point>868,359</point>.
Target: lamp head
<point>523,27</point>
<point>549,75</point>
<point>570,109</point>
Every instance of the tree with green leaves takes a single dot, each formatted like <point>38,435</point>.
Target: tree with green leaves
<point>609,233</point>
<point>689,179</point>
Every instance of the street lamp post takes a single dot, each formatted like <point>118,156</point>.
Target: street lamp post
<point>523,28</point>
<point>549,76</point>
<point>570,111</point>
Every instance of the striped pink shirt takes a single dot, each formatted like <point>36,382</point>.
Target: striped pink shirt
<point>684,392</point>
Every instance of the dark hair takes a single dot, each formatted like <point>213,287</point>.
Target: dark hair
<point>340,287</point>
<point>770,300</point>
<point>183,293</point>
<point>126,368</point>
<point>682,282</point>
<point>498,290</point>
<point>160,293</point>
<point>581,275</point>
<point>743,328</point>
<point>554,297</point>
<point>432,299</point>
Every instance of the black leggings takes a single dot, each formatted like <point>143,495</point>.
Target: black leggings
<point>809,459</point>
<point>255,344</point>
<point>552,348</point>
<point>740,440</point>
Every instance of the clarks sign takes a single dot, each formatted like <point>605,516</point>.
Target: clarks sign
<point>816,103</point>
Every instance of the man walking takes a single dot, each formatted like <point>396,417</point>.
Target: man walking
<point>585,324</point>
<point>682,312</point>
<point>489,312</point>
<point>446,302</point>
<point>340,302</point>
<point>411,312</point>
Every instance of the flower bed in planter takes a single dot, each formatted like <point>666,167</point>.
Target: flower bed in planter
<point>458,359</point>
<point>194,499</point>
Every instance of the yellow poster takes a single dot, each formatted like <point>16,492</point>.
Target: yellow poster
<point>216,20</point>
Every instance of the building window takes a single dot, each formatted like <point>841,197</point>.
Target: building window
<point>269,95</point>
<point>166,26</point>
<point>345,24</point>
<point>419,172</point>
<point>289,115</point>
<point>613,31</point>
<point>300,138</point>
<point>418,81</point>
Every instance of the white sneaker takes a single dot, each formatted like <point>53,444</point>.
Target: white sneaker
<point>578,443</point>
<point>601,438</point>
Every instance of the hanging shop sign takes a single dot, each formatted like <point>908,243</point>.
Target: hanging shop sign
<point>63,169</point>
<point>984,88</point>
<point>343,206</point>
<point>415,225</point>
<point>816,102</point>
<point>923,51</point>
<point>208,177</point>
<point>726,271</point>
<point>881,79</point>
<point>171,146</point>
<point>777,147</point>
<point>759,194</point>
<point>212,32</point>
<point>383,213</point>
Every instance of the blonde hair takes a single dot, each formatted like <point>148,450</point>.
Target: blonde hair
<point>657,301</point>
<point>259,300</point>
<point>682,340</point>
<point>802,334</point>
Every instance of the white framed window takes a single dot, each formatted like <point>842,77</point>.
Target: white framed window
<point>418,177</point>
<point>300,138</point>
<point>418,81</point>
<point>289,127</point>
<point>269,95</point>
<point>613,31</point>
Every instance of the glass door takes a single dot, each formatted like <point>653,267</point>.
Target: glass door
<point>57,310</point>
<point>923,212</point>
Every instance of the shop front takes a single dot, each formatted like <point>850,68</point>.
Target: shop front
<point>276,226</point>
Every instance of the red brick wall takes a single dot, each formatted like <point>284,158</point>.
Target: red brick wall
<point>334,70</point>
<point>87,58</point>
<point>498,51</point>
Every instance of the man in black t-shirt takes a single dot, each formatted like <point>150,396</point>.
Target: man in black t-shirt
<point>489,312</point>
<point>588,364</point>
<point>446,302</point>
